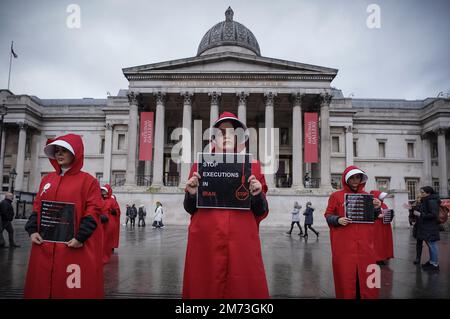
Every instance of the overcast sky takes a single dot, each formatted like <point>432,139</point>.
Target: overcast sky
<point>407,57</point>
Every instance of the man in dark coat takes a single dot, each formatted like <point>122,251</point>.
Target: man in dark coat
<point>141,214</point>
<point>427,227</point>
<point>7,216</point>
<point>133,215</point>
<point>309,220</point>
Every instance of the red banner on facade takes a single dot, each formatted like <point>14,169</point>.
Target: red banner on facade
<point>311,137</point>
<point>146,136</point>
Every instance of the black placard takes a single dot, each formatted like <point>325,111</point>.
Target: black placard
<point>388,215</point>
<point>359,208</point>
<point>57,221</point>
<point>224,180</point>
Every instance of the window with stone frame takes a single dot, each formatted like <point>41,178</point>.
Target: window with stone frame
<point>435,185</point>
<point>411,188</point>
<point>102,145</point>
<point>383,183</point>
<point>335,144</point>
<point>381,148</point>
<point>410,149</point>
<point>121,141</point>
<point>355,148</point>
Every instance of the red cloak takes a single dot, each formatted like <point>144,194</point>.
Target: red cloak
<point>117,219</point>
<point>223,257</point>
<point>352,247</point>
<point>384,245</point>
<point>109,228</point>
<point>51,265</point>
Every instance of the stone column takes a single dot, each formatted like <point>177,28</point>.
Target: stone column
<point>426,155</point>
<point>107,153</point>
<point>18,184</point>
<point>2,156</point>
<point>35,177</point>
<point>348,145</point>
<point>297,142</point>
<point>132,140</point>
<point>186,141</point>
<point>214,113</point>
<point>269,143</point>
<point>242,106</point>
<point>325,178</point>
<point>442,158</point>
<point>158,158</point>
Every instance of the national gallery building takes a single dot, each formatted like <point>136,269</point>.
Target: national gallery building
<point>401,144</point>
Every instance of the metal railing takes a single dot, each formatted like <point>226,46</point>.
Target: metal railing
<point>119,181</point>
<point>171,179</point>
<point>283,180</point>
<point>312,183</point>
<point>144,180</point>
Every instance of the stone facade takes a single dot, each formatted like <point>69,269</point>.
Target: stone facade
<point>401,144</point>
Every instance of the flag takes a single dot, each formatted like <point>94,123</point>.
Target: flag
<point>12,51</point>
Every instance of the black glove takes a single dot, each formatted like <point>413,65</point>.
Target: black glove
<point>104,218</point>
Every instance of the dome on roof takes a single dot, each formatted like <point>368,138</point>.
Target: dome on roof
<point>228,34</point>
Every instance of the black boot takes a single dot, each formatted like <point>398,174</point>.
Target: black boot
<point>418,253</point>
<point>315,231</point>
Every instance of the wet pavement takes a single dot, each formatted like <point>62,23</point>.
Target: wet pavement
<point>150,262</point>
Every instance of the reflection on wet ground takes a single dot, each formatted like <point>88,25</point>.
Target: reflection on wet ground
<point>150,262</point>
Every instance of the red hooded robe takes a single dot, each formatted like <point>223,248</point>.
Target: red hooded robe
<point>384,245</point>
<point>117,219</point>
<point>50,263</point>
<point>223,256</point>
<point>352,247</point>
<point>109,228</point>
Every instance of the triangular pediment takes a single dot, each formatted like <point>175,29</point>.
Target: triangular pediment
<point>229,62</point>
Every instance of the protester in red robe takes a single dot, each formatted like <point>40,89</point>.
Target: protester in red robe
<point>66,270</point>
<point>384,246</point>
<point>352,244</point>
<point>223,257</point>
<point>110,224</point>
<point>116,215</point>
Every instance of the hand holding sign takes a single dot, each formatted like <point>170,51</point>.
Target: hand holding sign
<point>376,203</point>
<point>192,183</point>
<point>36,238</point>
<point>255,185</point>
<point>73,243</point>
<point>344,221</point>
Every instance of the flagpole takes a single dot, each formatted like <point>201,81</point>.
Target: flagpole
<point>10,63</point>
